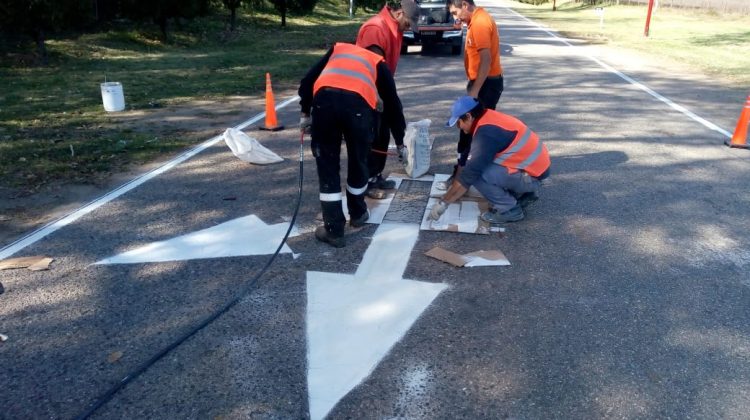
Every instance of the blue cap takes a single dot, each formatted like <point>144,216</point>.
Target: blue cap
<point>462,105</point>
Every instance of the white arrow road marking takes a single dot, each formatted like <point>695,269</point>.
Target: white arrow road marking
<point>354,320</point>
<point>377,208</point>
<point>68,219</point>
<point>246,235</point>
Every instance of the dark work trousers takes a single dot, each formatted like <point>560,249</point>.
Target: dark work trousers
<point>376,162</point>
<point>338,114</point>
<point>489,95</point>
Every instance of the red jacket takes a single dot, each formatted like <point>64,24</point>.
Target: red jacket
<point>382,30</point>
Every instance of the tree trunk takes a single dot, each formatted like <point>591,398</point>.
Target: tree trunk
<point>41,48</point>
<point>283,13</point>
<point>162,22</point>
<point>232,18</point>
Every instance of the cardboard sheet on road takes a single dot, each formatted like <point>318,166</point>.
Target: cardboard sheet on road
<point>35,263</point>
<point>479,258</point>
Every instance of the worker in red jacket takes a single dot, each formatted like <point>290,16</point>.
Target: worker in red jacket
<point>341,97</point>
<point>383,34</point>
<point>506,162</point>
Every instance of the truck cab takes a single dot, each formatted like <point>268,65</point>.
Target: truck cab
<point>436,27</point>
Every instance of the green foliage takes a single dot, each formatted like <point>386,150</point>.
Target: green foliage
<point>31,16</point>
<point>232,6</point>
<point>36,18</point>
<point>161,11</point>
<point>369,5</point>
<point>294,7</point>
<point>53,126</point>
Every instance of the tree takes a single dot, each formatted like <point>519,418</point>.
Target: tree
<point>161,11</point>
<point>36,18</point>
<point>370,5</point>
<point>300,7</point>
<point>105,10</point>
<point>232,5</point>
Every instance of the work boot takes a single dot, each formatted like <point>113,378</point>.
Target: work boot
<point>526,199</point>
<point>376,194</point>
<point>493,216</point>
<point>360,221</point>
<point>324,235</point>
<point>380,183</point>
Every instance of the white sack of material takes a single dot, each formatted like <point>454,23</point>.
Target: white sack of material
<point>419,145</point>
<point>249,149</point>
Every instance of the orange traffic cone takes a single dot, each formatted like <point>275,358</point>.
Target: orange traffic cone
<point>739,139</point>
<point>271,123</point>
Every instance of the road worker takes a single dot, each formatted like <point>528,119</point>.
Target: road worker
<point>383,34</point>
<point>505,161</point>
<point>481,58</point>
<point>341,97</point>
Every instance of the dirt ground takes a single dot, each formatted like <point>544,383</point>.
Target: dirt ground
<point>22,214</point>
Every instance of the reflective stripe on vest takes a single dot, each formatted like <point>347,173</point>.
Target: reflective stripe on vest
<point>525,152</point>
<point>351,68</point>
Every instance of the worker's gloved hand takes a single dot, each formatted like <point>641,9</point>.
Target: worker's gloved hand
<point>305,124</point>
<point>402,153</point>
<point>437,210</point>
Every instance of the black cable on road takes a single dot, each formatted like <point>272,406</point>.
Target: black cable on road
<point>142,368</point>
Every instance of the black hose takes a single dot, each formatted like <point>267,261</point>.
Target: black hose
<point>142,368</point>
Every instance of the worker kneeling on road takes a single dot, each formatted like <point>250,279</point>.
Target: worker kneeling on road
<point>505,162</point>
<point>340,97</point>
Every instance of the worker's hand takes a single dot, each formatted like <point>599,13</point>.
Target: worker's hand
<point>402,153</point>
<point>305,124</point>
<point>437,210</point>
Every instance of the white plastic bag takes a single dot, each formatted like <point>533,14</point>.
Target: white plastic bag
<point>249,149</point>
<point>419,145</point>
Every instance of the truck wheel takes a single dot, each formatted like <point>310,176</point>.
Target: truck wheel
<point>455,49</point>
<point>404,48</point>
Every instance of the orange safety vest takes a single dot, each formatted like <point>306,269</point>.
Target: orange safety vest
<point>351,68</point>
<point>525,152</point>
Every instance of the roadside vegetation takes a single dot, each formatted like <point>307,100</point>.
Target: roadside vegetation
<point>52,123</point>
<point>53,127</point>
<point>705,40</point>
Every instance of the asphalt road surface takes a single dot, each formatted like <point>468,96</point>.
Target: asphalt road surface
<point>627,296</point>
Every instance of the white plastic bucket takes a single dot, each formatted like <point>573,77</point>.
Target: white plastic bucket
<point>112,97</point>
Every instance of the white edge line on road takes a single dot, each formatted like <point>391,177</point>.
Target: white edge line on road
<point>639,85</point>
<point>40,233</point>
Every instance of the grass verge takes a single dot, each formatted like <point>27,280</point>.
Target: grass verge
<point>52,123</point>
<point>53,126</point>
<point>715,44</point>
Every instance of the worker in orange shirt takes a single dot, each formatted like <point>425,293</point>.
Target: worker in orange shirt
<point>481,61</point>
<point>383,35</point>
